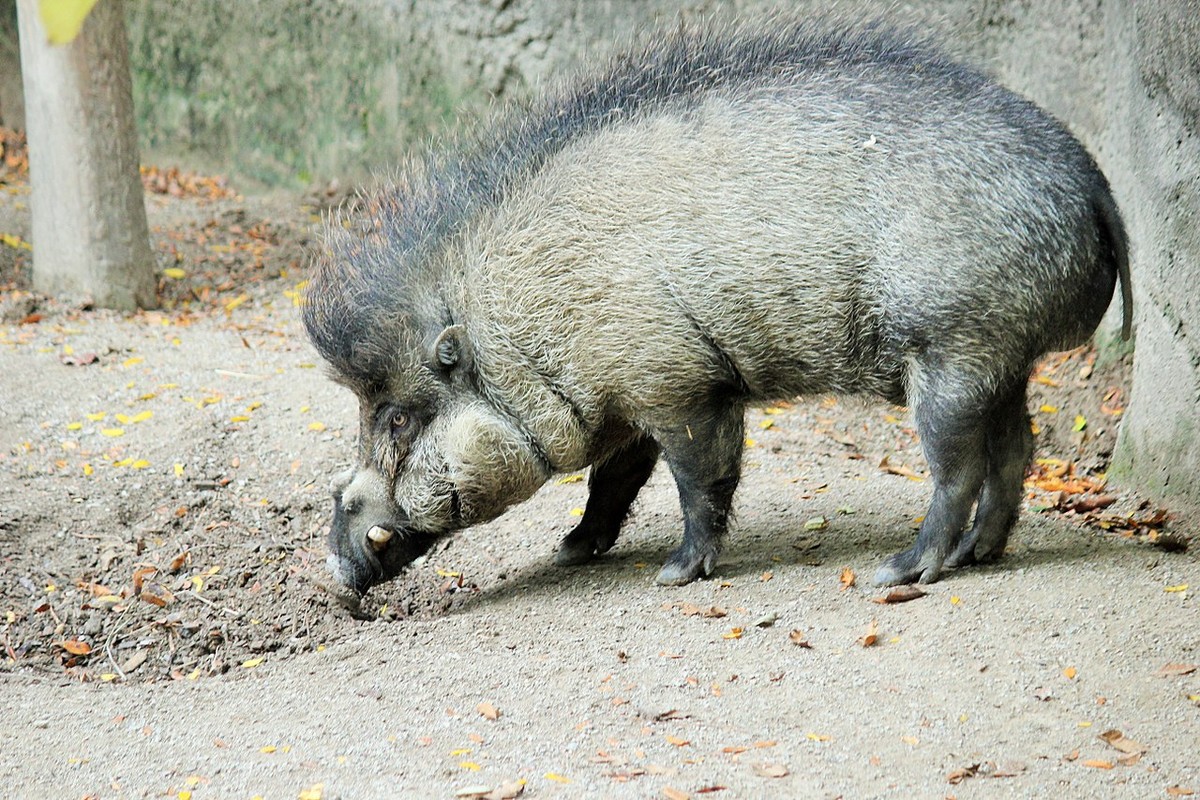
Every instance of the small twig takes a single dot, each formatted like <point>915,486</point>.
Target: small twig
<point>112,659</point>
<point>209,603</point>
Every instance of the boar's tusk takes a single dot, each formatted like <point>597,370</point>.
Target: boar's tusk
<point>379,537</point>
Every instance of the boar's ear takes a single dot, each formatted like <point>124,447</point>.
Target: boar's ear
<point>451,350</point>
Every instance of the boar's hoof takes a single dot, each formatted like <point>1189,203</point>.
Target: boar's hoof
<point>909,566</point>
<point>684,566</point>
<point>583,544</point>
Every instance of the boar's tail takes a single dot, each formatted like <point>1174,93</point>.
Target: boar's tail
<point>1113,229</point>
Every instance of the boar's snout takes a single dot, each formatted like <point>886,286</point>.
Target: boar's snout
<point>370,539</point>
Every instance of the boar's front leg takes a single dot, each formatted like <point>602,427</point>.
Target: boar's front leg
<point>612,487</point>
<point>705,457</point>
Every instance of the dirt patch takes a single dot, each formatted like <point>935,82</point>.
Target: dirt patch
<point>163,504</point>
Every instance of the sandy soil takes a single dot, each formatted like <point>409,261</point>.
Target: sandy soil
<point>164,631</point>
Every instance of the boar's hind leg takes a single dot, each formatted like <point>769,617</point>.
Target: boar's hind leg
<point>952,435</point>
<point>612,487</point>
<point>705,459</point>
<point>1009,446</point>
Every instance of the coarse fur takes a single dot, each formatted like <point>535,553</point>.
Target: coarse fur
<point>728,216</point>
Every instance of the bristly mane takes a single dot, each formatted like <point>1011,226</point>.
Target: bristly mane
<point>364,299</point>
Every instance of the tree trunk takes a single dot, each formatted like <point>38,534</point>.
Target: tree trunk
<point>1155,126</point>
<point>90,234</point>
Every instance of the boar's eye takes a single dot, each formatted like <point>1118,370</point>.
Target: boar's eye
<point>400,422</point>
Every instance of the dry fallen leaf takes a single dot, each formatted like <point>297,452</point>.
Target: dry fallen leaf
<point>871,636</point>
<point>1175,670</point>
<point>1069,673</point>
<point>506,791</point>
<point>901,594</point>
<point>769,770</point>
<point>1179,791</point>
<point>847,578</point>
<point>1096,763</point>
<point>734,633</point>
<point>675,794</point>
<point>488,711</point>
<point>1119,741</point>
<point>76,647</point>
<point>798,638</point>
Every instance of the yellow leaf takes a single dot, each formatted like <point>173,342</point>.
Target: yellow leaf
<point>316,426</point>
<point>74,426</point>
<point>124,419</point>
<point>445,573</point>
<point>132,362</point>
<point>174,272</point>
<point>194,674</point>
<point>766,423</point>
<point>87,469</point>
<point>184,794</point>
<point>179,470</point>
<point>141,416</point>
<point>17,241</point>
<point>734,633</point>
<point>63,19</point>
<point>1080,423</point>
<point>570,479</point>
<point>253,662</point>
<point>576,512</point>
<point>108,677</point>
<point>113,432</point>
<point>239,418</point>
<point>1180,588</point>
<point>237,301</point>
<point>11,617</point>
<point>818,737</point>
<point>99,415</point>
<point>462,751</point>
<point>750,442</point>
<point>1049,409</point>
<point>471,765</point>
<point>313,792</point>
<point>553,776</point>
<point>1069,673</point>
<point>268,749</point>
<point>955,599</point>
<point>141,463</point>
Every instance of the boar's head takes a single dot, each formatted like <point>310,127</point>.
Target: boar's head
<point>434,453</point>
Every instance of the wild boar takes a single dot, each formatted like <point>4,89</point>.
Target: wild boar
<point>608,276</point>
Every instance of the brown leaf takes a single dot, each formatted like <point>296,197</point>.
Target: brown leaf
<point>488,711</point>
<point>708,789</point>
<point>769,770</point>
<point>675,794</point>
<point>94,589</point>
<point>80,360</point>
<point>871,636</point>
<point>1096,763</point>
<point>1179,791</point>
<point>153,599</point>
<point>139,575</point>
<point>1175,670</point>
<point>506,791</point>
<point>847,578</point>
<point>1118,740</point>
<point>76,647</point>
<point>798,638</point>
<point>177,562</point>
<point>901,594</point>
<point>675,740</point>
